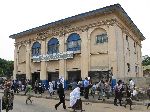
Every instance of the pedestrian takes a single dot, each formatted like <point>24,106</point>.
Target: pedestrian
<point>128,100</point>
<point>50,89</point>
<point>80,83</point>
<point>101,89</point>
<point>135,94</point>
<point>131,84</point>
<point>28,92</point>
<point>86,88</point>
<point>75,100</point>
<point>40,87</point>
<point>61,95</point>
<point>148,92</point>
<point>36,85</point>
<point>118,93</point>
<point>107,89</point>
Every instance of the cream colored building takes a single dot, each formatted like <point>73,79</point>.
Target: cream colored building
<point>99,42</point>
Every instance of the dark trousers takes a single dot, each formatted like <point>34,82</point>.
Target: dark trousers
<point>129,102</point>
<point>62,100</point>
<point>86,95</point>
<point>119,97</point>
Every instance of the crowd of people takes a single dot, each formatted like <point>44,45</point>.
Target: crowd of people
<point>85,87</point>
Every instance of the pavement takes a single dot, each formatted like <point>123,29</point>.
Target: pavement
<point>67,97</point>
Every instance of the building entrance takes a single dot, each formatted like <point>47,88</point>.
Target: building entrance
<point>21,77</point>
<point>35,76</point>
<point>53,76</point>
<point>74,76</point>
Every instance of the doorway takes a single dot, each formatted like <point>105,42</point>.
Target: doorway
<point>74,76</point>
<point>35,76</point>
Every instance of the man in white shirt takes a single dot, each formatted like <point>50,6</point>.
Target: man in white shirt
<point>131,84</point>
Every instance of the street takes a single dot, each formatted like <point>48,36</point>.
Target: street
<point>47,105</point>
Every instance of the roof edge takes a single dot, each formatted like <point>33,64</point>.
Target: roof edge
<point>108,9</point>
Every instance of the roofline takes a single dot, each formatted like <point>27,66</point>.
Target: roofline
<point>105,10</point>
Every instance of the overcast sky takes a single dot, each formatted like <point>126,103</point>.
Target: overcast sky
<point>19,15</point>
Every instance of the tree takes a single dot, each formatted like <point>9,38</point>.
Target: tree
<point>6,68</point>
<point>146,61</point>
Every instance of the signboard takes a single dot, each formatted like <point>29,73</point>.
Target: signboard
<point>48,57</point>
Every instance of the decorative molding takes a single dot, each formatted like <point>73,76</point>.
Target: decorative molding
<point>62,31</point>
<point>124,30</point>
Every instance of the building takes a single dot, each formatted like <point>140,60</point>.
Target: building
<point>100,43</point>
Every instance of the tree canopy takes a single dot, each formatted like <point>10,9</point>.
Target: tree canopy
<point>6,68</point>
<point>146,60</point>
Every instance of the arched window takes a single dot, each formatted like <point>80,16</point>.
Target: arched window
<point>36,49</point>
<point>73,42</point>
<point>53,46</point>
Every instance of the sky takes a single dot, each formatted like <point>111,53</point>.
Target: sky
<point>20,15</point>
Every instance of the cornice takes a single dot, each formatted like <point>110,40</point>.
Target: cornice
<point>62,31</point>
<point>115,9</point>
<point>124,30</point>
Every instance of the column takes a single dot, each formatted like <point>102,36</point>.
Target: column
<point>15,62</point>
<point>43,72</point>
<point>62,62</point>
<point>28,61</point>
<point>84,54</point>
<point>112,50</point>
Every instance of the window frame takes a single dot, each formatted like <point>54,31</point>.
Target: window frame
<point>52,48</point>
<point>36,49</point>
<point>101,38</point>
<point>74,45</point>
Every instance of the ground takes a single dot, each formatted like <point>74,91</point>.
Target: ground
<point>47,105</point>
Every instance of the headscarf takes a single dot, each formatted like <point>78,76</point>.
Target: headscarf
<point>74,96</point>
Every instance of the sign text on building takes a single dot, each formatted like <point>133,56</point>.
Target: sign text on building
<point>48,57</point>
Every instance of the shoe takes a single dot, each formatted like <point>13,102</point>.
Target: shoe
<point>65,107</point>
<point>125,106</point>
<point>115,104</point>
<point>55,107</point>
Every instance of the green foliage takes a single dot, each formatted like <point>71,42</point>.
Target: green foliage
<point>6,68</point>
<point>146,61</point>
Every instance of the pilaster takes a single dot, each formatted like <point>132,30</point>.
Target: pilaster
<point>43,72</point>
<point>62,62</point>
<point>84,54</point>
<point>28,61</point>
<point>15,62</point>
<point>112,50</point>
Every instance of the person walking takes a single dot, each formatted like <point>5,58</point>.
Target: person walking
<point>28,92</point>
<point>61,94</point>
<point>101,89</point>
<point>86,88</point>
<point>128,97</point>
<point>50,89</point>
<point>118,93</point>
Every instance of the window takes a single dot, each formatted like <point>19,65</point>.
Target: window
<point>101,38</point>
<point>36,49</point>
<point>134,48</point>
<point>53,46</point>
<point>73,42</point>
<point>127,40</point>
<point>128,65</point>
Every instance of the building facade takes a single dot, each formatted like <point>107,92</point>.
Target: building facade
<point>100,43</point>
